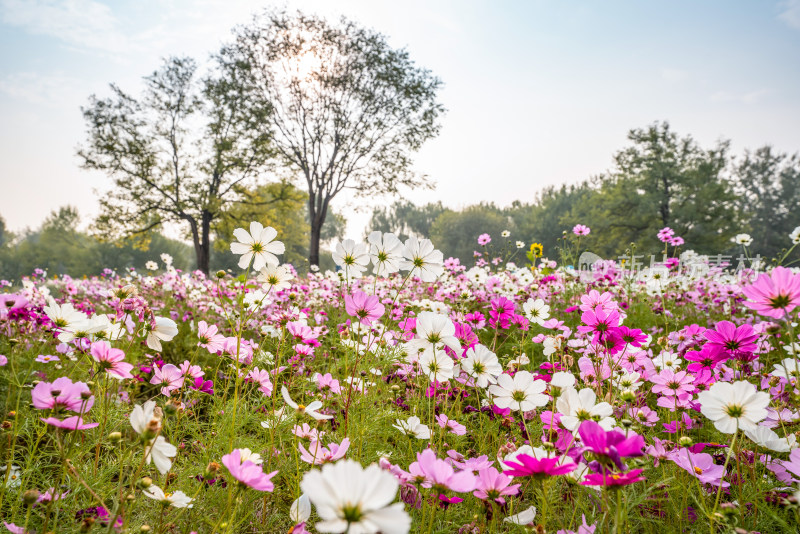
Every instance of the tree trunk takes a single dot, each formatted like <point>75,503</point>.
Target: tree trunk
<point>204,252</point>
<point>316,216</point>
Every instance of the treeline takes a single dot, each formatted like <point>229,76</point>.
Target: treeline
<point>662,179</point>
<point>59,247</point>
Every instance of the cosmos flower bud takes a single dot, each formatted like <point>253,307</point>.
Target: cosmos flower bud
<point>115,437</point>
<point>220,274</point>
<point>145,482</point>
<point>628,395</point>
<point>85,395</point>
<point>30,497</point>
<point>211,470</point>
<point>144,528</point>
<point>685,441</point>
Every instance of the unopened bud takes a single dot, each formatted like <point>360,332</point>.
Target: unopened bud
<point>628,395</point>
<point>130,497</point>
<point>30,497</point>
<point>115,437</point>
<point>220,274</point>
<point>626,423</point>
<point>145,482</point>
<point>395,387</point>
<point>55,392</point>
<point>144,528</point>
<point>85,395</point>
<point>685,441</point>
<point>211,470</point>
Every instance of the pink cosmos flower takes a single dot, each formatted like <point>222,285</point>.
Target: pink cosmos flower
<point>110,360</point>
<point>70,423</point>
<point>262,377</point>
<point>209,337</point>
<point>585,528</point>
<point>440,475</point>
<point>774,294</point>
<point>728,341</point>
<point>451,424</point>
<point>701,466</point>
<point>170,375</point>
<point>367,308</point>
<point>525,465</point>
<point>62,393</point>
<point>484,239</point>
<point>492,485</point>
<point>611,445</point>
<point>672,384</point>
<point>580,230</point>
<point>469,464</point>
<point>317,454</point>
<point>247,472</point>
<point>665,234</point>
<point>191,371</point>
<point>327,382</point>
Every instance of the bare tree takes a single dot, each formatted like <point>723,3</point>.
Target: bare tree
<point>348,110</point>
<point>179,154</point>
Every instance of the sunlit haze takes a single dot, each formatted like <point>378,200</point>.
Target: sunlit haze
<point>537,93</point>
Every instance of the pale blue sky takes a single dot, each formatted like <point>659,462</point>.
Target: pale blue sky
<point>538,92</point>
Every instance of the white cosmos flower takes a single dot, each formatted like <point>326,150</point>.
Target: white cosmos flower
<point>795,236</point>
<point>789,369</point>
<point>436,365</point>
<point>300,510</point>
<point>257,245</point>
<point>537,311</point>
<point>151,266</point>
<point>105,329</point>
<point>275,277</point>
<point>159,452</point>
<point>278,416</point>
<point>352,499</point>
<point>561,380</point>
<point>482,365</point>
<point>422,259</point>
<point>433,331</point>
<point>352,257</point>
<point>142,415</point>
<point>627,380</point>
<point>667,360</point>
<point>733,406</point>
<point>310,410</point>
<point>164,330</point>
<point>248,455</point>
<point>551,345</point>
<point>178,499</point>
<point>743,239</point>
<point>520,393</point>
<point>84,328</point>
<point>578,406</point>
<point>525,517</point>
<point>764,437</point>
<point>63,316</point>
<point>386,253</point>
<point>413,427</point>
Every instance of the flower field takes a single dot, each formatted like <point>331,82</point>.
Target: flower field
<point>405,392</point>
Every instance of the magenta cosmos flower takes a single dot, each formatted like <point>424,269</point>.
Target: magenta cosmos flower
<point>367,308</point>
<point>247,472</point>
<point>524,465</point>
<point>62,393</point>
<point>613,479</point>
<point>110,360</point>
<point>729,341</point>
<point>610,445</point>
<point>774,294</point>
